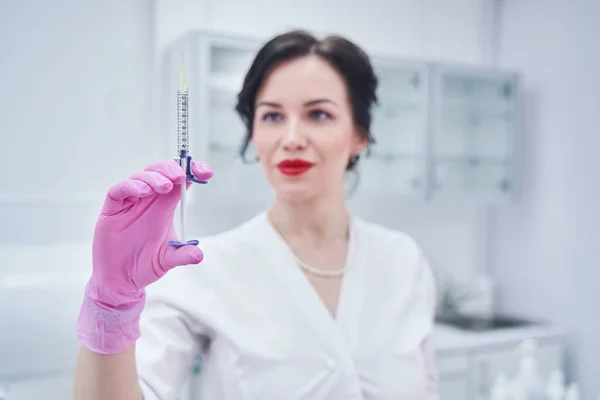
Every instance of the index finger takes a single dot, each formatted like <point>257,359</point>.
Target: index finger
<point>170,169</point>
<point>201,170</point>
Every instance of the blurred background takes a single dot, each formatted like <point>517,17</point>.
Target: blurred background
<point>487,154</point>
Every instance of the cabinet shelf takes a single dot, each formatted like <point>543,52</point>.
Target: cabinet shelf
<point>477,113</point>
<point>473,161</point>
<point>392,173</point>
<point>483,175</point>
<point>390,157</point>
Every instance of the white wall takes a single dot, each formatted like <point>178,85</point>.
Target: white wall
<point>437,29</point>
<point>548,247</point>
<point>74,111</point>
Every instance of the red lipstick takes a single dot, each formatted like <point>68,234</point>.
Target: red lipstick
<point>294,167</point>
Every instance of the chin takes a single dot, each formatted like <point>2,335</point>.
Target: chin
<point>296,192</point>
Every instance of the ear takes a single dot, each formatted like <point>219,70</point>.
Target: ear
<point>359,143</point>
<point>251,154</point>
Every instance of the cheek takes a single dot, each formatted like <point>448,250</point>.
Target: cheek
<point>337,148</point>
<point>261,143</point>
<point>265,147</point>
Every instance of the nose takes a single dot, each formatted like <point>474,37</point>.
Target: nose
<point>294,138</point>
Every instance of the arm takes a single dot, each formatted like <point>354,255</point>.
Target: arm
<point>431,373</point>
<point>161,360</point>
<point>99,377</point>
<point>130,252</point>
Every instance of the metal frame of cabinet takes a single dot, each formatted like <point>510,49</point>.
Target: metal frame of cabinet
<point>427,171</point>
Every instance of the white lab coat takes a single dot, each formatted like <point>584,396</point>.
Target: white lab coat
<point>264,333</point>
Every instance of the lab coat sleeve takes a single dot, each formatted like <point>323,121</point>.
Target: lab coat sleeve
<point>172,331</point>
<point>431,373</point>
<point>427,344</point>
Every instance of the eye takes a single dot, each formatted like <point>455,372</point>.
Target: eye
<point>319,115</point>
<point>271,116</point>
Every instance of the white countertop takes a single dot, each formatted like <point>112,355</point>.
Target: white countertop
<point>448,338</point>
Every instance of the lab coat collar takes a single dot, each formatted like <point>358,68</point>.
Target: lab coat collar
<point>339,335</point>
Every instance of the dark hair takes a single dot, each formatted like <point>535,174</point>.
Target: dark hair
<point>349,60</point>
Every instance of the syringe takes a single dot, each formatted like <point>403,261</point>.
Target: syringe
<point>183,144</point>
<point>183,152</point>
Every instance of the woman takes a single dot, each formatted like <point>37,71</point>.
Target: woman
<point>304,301</point>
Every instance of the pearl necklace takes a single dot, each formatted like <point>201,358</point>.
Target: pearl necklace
<point>322,272</point>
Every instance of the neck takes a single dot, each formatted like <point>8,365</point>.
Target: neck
<point>323,219</point>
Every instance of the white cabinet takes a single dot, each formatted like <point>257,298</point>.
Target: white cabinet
<point>474,125</point>
<point>396,164</point>
<point>442,132</point>
<point>454,387</point>
<point>227,63</point>
<point>488,363</point>
<point>453,371</point>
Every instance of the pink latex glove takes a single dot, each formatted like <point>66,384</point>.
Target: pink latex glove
<point>131,251</point>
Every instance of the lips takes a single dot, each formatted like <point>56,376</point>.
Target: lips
<point>294,167</point>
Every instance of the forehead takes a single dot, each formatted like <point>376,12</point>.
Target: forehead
<point>303,79</point>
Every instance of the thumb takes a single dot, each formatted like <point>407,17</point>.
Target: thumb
<point>185,255</point>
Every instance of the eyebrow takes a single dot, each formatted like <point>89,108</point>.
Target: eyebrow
<point>307,104</point>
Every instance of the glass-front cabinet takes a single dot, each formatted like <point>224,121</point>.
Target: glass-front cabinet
<point>228,62</point>
<point>474,133</point>
<point>396,163</point>
<point>441,131</point>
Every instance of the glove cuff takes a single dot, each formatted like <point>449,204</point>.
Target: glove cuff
<point>107,329</point>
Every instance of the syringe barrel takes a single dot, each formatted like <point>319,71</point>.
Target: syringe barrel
<point>183,131</point>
